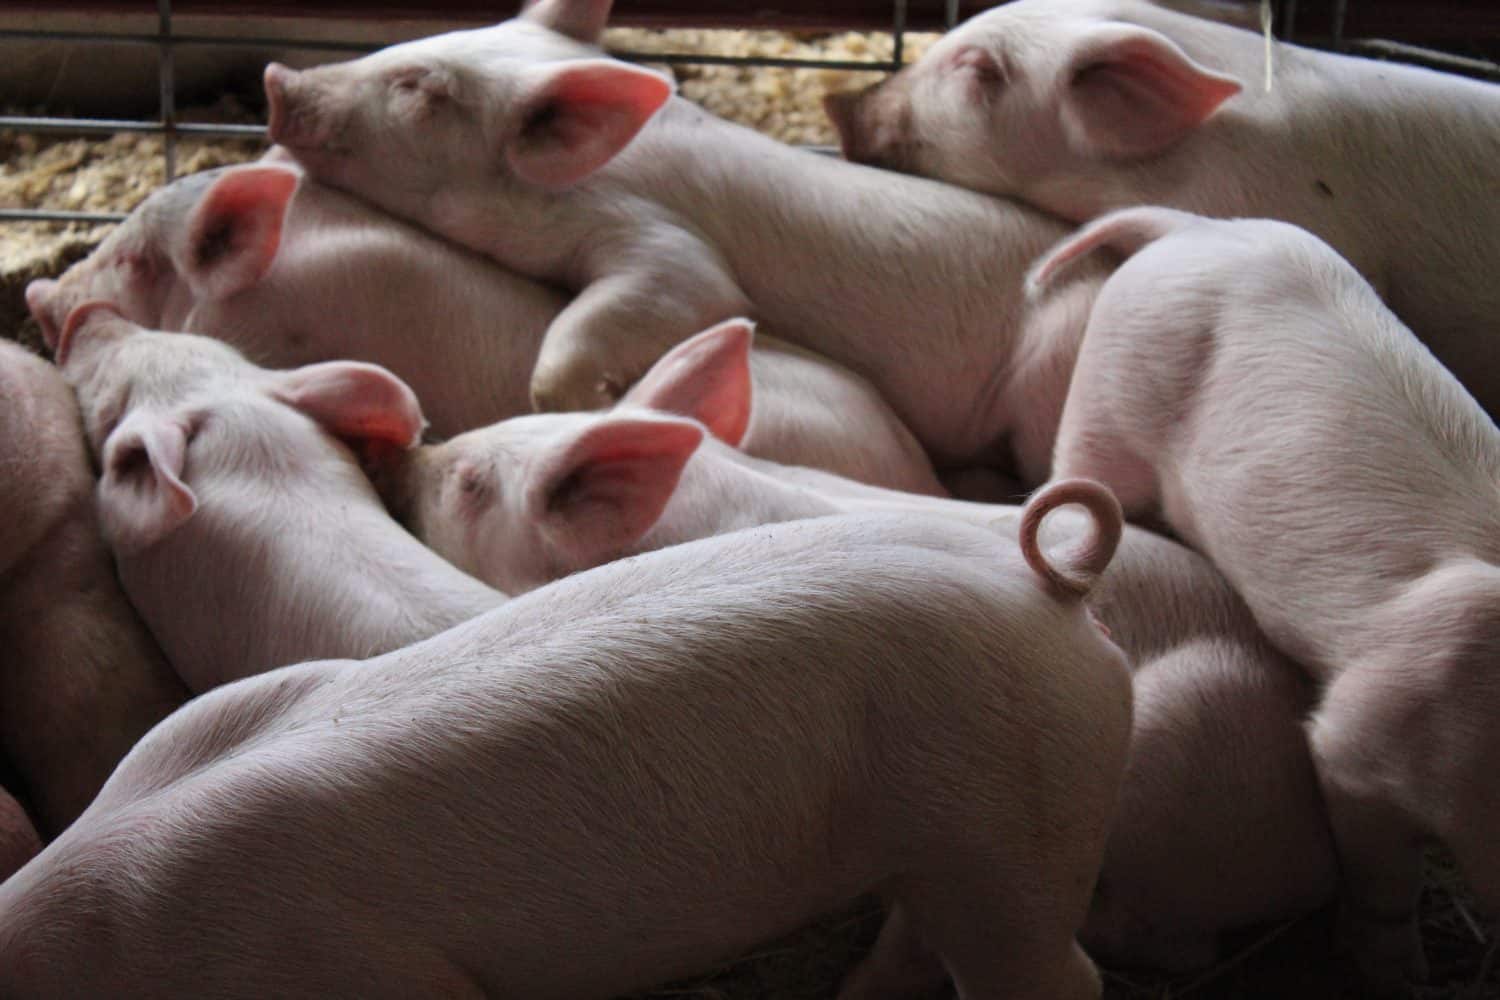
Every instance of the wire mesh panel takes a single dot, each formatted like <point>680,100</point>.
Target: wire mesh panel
<point>1324,22</point>
<point>168,124</point>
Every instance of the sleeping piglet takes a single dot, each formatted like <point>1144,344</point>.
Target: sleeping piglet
<point>1240,380</point>
<point>82,677</point>
<point>1221,823</point>
<point>1083,106</point>
<point>244,529</point>
<point>525,143</point>
<point>624,778</point>
<point>293,272</point>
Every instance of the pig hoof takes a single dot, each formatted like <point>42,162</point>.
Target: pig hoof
<point>565,394</point>
<point>1387,950</point>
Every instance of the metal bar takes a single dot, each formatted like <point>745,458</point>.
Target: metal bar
<point>1480,68</point>
<point>668,58</point>
<point>56,215</point>
<point>898,30</point>
<point>109,126</point>
<point>168,82</point>
<point>689,59</point>
<point>127,38</point>
<point>172,130</point>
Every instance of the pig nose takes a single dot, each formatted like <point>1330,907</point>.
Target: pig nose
<point>41,295</point>
<point>842,110</point>
<point>277,79</point>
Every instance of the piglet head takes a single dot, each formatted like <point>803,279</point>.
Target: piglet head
<point>929,119</point>
<point>141,446</point>
<point>125,271</point>
<point>204,237</point>
<point>162,409</point>
<point>532,499</point>
<point>1034,91</point>
<point>874,125</point>
<point>521,101</point>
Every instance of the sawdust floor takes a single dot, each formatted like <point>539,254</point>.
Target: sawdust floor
<point>1291,962</point>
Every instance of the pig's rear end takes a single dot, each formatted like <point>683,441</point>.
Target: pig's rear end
<point>625,777</point>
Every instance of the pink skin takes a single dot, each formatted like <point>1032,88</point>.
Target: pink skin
<point>1220,771</point>
<point>83,679</point>
<point>244,531</point>
<point>663,220</point>
<point>293,272</point>
<point>1393,612</point>
<point>1083,106</point>
<point>19,841</point>
<point>541,795</point>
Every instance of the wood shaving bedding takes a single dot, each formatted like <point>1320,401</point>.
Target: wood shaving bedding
<point>113,174</point>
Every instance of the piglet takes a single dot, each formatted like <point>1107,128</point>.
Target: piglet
<point>19,841</point>
<point>525,143</point>
<point>82,678</point>
<point>1242,381</point>
<point>624,778</point>
<point>1221,822</point>
<point>1082,106</point>
<point>266,259</point>
<point>244,529</point>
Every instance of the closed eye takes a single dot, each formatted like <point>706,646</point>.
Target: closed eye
<point>472,483</point>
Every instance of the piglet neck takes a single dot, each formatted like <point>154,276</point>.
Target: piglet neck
<point>723,490</point>
<point>310,590</point>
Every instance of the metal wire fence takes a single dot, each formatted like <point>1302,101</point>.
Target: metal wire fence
<point>167,43</point>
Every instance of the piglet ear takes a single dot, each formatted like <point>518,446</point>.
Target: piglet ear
<point>1131,92</point>
<point>576,116</point>
<point>360,403</point>
<point>706,377</point>
<point>235,230</point>
<point>142,497</point>
<point>609,484</point>
<point>582,20</point>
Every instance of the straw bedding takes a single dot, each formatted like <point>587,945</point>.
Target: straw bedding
<point>1291,961</point>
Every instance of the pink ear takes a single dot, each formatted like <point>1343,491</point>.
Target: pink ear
<point>579,115</point>
<point>142,497</point>
<point>1131,92</point>
<point>354,401</point>
<point>582,20</point>
<point>610,484</point>
<point>706,377</point>
<point>234,232</point>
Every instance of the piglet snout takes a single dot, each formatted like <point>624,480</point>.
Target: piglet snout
<point>292,119</point>
<point>42,300</point>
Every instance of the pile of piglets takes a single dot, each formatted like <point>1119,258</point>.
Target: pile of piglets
<point>341,672</point>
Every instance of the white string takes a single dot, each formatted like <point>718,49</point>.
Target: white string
<point>1265,30</point>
